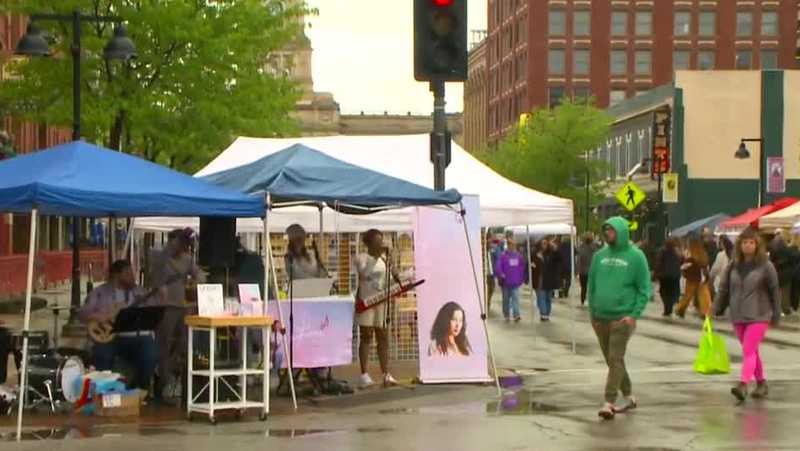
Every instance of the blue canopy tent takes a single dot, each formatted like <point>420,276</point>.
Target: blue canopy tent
<point>81,179</point>
<point>696,226</point>
<point>301,175</point>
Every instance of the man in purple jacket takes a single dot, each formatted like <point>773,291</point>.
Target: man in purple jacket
<point>511,273</point>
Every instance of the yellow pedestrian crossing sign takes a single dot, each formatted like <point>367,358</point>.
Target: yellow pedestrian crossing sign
<point>630,196</point>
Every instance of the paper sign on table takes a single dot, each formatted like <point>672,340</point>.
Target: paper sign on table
<point>210,301</point>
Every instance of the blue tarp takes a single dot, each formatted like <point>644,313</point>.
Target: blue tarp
<point>299,173</point>
<point>698,225</point>
<point>80,179</point>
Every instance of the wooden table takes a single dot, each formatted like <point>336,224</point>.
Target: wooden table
<point>210,325</point>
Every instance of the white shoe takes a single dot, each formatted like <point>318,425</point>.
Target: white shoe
<point>388,380</point>
<point>365,381</point>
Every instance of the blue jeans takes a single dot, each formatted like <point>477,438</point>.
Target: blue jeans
<point>544,301</point>
<point>139,352</point>
<point>510,302</point>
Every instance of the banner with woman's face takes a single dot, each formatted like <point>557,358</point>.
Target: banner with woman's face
<point>452,342</point>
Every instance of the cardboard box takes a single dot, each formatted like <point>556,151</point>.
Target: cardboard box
<point>119,404</point>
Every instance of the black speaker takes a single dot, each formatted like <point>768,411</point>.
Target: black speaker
<point>217,242</point>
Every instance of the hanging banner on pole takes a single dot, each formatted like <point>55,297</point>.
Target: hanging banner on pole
<point>452,343</point>
<point>670,181</point>
<point>776,180</point>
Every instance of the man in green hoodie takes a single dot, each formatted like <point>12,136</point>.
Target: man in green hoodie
<point>619,289</point>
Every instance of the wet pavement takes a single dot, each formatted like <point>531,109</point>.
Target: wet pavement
<point>554,408</point>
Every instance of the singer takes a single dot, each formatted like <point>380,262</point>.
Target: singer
<point>300,263</point>
<point>372,279</point>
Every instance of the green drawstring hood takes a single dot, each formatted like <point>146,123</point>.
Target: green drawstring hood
<point>619,278</point>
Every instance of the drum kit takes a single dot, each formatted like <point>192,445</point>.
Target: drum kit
<point>54,373</point>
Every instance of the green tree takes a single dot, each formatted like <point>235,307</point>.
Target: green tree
<point>201,76</point>
<point>547,152</point>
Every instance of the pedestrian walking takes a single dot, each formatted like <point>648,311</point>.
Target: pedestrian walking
<point>511,273</point>
<point>495,250</point>
<point>696,272</point>
<point>619,289</point>
<point>724,258</point>
<point>668,274</point>
<point>565,249</point>
<point>586,251</point>
<point>551,278</point>
<point>784,260</point>
<point>751,289</point>
<point>710,245</point>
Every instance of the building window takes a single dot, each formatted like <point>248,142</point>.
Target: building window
<point>706,60</point>
<point>708,23</point>
<point>644,23</point>
<point>644,62</point>
<point>619,23</point>
<point>769,23</point>
<point>619,62</point>
<point>581,94</point>
<point>555,96</point>
<point>640,91</point>
<point>617,96</point>
<point>683,23</point>
<point>744,23</point>
<point>680,60</point>
<point>580,59</point>
<point>769,59</point>
<point>555,62</point>
<point>557,21</point>
<point>744,59</point>
<point>582,23</point>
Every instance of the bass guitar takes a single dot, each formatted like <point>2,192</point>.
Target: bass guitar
<point>397,289</point>
<point>102,331</point>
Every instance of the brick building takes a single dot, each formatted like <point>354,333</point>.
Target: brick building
<point>476,101</point>
<point>541,51</point>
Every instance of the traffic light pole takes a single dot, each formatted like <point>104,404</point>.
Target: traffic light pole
<point>438,149</point>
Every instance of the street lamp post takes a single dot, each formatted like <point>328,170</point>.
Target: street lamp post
<point>742,153</point>
<point>588,184</point>
<point>120,47</point>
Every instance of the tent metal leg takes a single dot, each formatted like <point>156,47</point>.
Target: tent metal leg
<point>572,304</point>
<point>481,303</point>
<point>27,322</point>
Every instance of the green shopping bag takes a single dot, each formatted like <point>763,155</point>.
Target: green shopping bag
<point>712,357</point>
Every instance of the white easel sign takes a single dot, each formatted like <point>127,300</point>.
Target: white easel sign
<point>210,301</point>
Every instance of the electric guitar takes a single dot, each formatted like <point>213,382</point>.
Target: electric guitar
<point>397,289</point>
<point>102,331</point>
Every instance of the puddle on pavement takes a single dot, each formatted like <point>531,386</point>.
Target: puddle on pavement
<point>75,433</point>
<point>522,402</point>
<point>299,433</point>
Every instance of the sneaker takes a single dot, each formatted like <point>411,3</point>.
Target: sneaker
<point>761,391</point>
<point>630,404</point>
<point>517,319</point>
<point>740,391</point>
<point>389,381</point>
<point>545,319</point>
<point>365,381</point>
<point>607,412</point>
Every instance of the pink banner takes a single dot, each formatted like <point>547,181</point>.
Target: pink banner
<point>775,175</point>
<point>323,331</point>
<point>452,341</point>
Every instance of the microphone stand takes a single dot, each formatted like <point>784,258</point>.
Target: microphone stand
<point>291,310</point>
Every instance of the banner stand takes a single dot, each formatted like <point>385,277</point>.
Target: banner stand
<point>480,301</point>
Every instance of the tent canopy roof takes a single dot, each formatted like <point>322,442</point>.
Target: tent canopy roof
<point>300,173</point>
<point>81,179</point>
<point>711,222</point>
<point>407,157</point>
<point>751,217</point>
<point>781,219</point>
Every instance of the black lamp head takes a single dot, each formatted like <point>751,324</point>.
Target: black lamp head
<point>33,43</point>
<point>120,47</point>
<point>742,153</point>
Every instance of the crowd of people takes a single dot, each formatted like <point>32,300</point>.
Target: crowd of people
<point>755,281</point>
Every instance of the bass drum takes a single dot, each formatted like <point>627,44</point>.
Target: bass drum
<point>64,374</point>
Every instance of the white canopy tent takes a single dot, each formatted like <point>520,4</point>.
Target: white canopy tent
<point>503,202</point>
<point>785,219</point>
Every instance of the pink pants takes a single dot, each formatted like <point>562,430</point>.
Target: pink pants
<point>750,336</point>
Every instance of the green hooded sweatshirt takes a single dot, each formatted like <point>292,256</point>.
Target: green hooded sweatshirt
<point>619,279</point>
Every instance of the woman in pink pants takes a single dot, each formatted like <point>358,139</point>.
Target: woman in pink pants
<point>750,288</point>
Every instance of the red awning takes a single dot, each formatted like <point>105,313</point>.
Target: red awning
<point>751,217</point>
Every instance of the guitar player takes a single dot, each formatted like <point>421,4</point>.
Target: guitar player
<point>138,349</point>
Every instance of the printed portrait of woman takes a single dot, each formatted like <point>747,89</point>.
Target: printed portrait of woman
<point>449,333</point>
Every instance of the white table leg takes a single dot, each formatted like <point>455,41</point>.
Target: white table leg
<point>265,378</point>
<point>243,378</point>
<point>189,371</point>
<point>212,379</point>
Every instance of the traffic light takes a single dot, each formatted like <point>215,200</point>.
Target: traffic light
<point>440,40</point>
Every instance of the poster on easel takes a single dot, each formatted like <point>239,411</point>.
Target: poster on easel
<point>452,342</point>
<point>210,301</point>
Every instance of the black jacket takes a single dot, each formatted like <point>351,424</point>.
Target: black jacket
<point>668,265</point>
<point>553,267</point>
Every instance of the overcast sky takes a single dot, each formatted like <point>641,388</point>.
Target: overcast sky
<point>363,54</point>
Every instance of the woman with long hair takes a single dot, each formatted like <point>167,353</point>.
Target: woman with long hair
<point>449,332</point>
<point>695,270</point>
<point>300,263</point>
<point>751,289</point>
<point>724,258</point>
